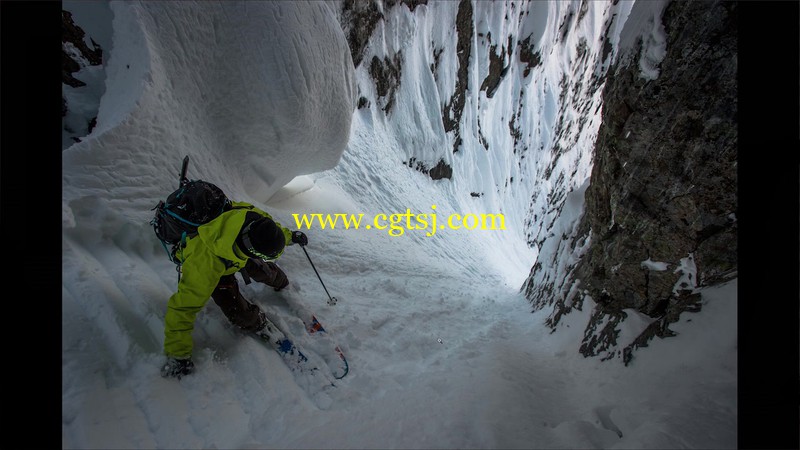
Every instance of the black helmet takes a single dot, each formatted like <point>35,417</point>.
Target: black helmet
<point>262,238</point>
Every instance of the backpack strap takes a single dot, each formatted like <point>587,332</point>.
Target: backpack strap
<point>228,263</point>
<point>184,236</point>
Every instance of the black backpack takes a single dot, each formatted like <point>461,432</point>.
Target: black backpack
<point>194,203</point>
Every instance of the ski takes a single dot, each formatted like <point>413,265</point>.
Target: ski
<point>339,368</point>
<point>320,340</point>
<point>303,365</point>
<point>318,344</point>
<point>292,356</point>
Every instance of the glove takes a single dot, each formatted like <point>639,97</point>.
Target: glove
<point>177,368</point>
<point>298,237</point>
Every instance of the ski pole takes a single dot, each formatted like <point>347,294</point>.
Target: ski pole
<point>331,300</point>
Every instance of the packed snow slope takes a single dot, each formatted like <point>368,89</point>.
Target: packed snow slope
<point>443,351</point>
<point>268,89</point>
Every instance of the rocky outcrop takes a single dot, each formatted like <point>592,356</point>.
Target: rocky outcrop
<point>497,69</point>
<point>439,171</point>
<point>75,54</point>
<point>528,56</point>
<point>454,108</point>
<point>386,74</point>
<point>80,65</point>
<point>660,211</point>
<point>358,20</point>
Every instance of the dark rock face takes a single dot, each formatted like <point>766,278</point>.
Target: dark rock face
<point>663,186</point>
<point>386,75</point>
<point>76,56</point>
<point>497,69</point>
<point>439,171</point>
<point>528,56</point>
<point>359,19</point>
<point>70,33</point>
<point>452,111</point>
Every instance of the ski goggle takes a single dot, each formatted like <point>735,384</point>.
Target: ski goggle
<point>250,248</point>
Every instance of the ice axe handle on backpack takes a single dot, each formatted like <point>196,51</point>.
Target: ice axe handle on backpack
<point>331,300</point>
<point>183,180</point>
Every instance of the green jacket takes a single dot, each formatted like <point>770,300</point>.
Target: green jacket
<point>206,257</point>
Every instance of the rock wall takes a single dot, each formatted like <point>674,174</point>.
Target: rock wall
<point>660,210</point>
<point>81,72</point>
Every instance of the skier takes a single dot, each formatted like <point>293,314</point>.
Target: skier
<point>243,238</point>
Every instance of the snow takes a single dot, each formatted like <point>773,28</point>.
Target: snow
<point>643,26</point>
<point>688,274</point>
<point>442,347</point>
<point>658,266</point>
